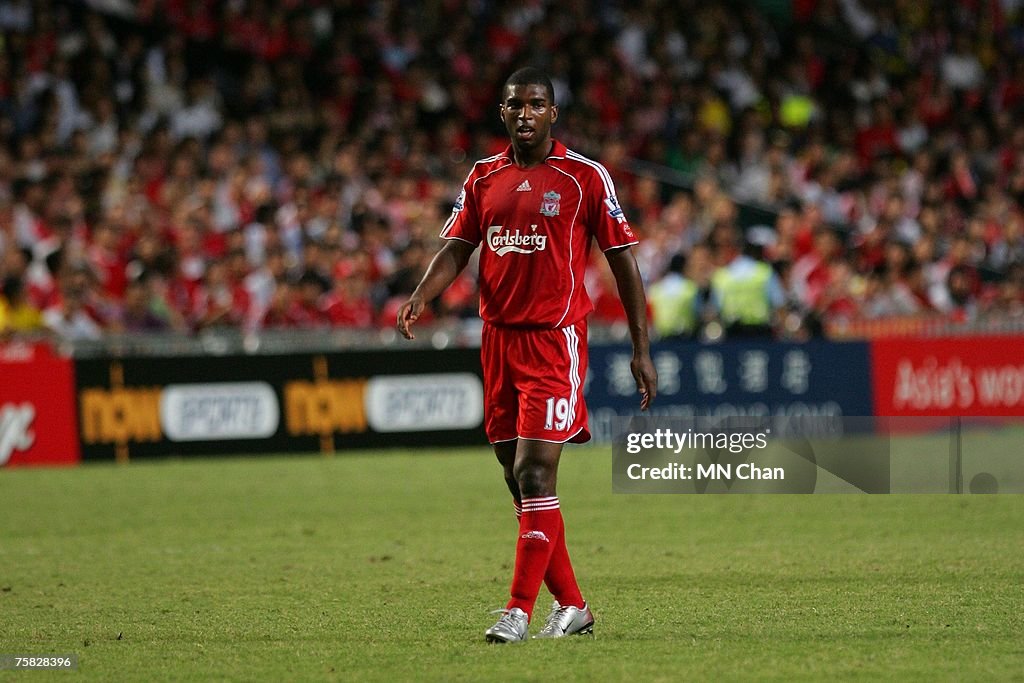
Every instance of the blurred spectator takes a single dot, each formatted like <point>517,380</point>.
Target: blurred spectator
<point>679,299</point>
<point>962,301</point>
<point>812,273</point>
<point>17,314</point>
<point>308,306</point>
<point>348,305</point>
<point>745,292</point>
<point>138,312</point>
<point>75,316</point>
<point>221,299</point>
<point>280,309</point>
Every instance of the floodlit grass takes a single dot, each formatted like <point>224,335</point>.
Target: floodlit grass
<point>383,567</point>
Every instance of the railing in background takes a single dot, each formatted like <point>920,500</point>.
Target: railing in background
<point>923,326</point>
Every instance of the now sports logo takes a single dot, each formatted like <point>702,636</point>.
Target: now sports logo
<point>502,241</point>
<point>16,429</point>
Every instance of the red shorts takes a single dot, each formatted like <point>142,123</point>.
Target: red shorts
<point>533,383</point>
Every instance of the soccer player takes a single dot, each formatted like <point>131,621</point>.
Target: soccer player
<point>535,208</point>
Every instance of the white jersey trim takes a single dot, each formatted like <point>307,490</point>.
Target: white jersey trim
<point>602,172</point>
<point>490,173</point>
<point>565,440</point>
<point>609,187</point>
<point>621,246</point>
<point>572,344</point>
<point>572,225</point>
<point>451,219</point>
<point>461,239</point>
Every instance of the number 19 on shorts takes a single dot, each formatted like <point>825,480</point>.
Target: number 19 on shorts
<point>558,417</point>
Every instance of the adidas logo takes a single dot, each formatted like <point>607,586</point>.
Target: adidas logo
<point>538,535</point>
<point>524,187</point>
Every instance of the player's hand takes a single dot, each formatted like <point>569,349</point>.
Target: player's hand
<point>408,314</point>
<point>646,379</point>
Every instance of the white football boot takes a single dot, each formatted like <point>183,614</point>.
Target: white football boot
<point>567,621</point>
<point>511,628</point>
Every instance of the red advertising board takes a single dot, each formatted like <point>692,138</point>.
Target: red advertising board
<point>37,407</point>
<point>966,376</point>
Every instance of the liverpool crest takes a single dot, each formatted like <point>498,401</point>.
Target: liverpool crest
<point>550,203</point>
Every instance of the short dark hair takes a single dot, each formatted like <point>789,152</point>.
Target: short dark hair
<point>12,288</point>
<point>531,75</point>
<point>311,277</point>
<point>678,263</point>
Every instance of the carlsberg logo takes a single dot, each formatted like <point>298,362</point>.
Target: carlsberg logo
<point>518,241</point>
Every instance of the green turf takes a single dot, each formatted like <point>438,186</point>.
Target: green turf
<point>382,567</point>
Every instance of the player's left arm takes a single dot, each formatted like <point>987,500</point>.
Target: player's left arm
<point>631,292</point>
<point>614,236</point>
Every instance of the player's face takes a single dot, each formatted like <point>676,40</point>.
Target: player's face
<point>528,115</point>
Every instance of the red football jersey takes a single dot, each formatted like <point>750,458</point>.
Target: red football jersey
<point>536,226</point>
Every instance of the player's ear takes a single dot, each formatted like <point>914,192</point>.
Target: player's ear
<point>554,113</point>
<point>501,111</point>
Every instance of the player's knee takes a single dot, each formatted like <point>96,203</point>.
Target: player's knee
<point>534,479</point>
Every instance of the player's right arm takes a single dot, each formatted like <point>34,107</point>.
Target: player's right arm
<point>462,234</point>
<point>444,268</point>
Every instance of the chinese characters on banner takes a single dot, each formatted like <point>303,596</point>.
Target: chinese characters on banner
<point>743,378</point>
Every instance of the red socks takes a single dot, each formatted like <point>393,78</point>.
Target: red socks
<point>541,555</point>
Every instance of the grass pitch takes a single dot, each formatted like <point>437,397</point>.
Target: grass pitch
<point>383,566</point>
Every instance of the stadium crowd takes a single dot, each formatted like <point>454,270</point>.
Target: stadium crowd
<point>186,164</point>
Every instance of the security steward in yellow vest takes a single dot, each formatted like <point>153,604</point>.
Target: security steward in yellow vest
<point>745,292</point>
<point>679,299</point>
